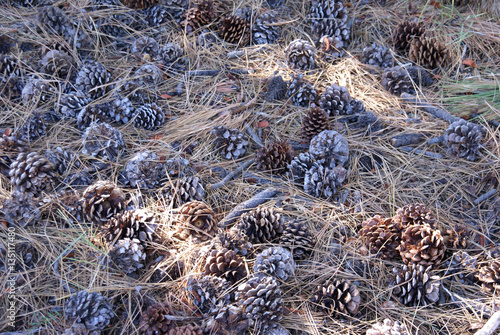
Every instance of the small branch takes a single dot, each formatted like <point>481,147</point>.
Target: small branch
<point>248,205</point>
<point>435,140</point>
<point>253,135</point>
<point>419,151</point>
<point>485,196</point>
<point>434,111</point>
<point>231,175</point>
<point>490,326</point>
<point>406,139</point>
<point>299,146</point>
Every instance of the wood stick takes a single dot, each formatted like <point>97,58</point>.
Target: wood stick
<point>434,111</point>
<point>231,175</point>
<point>434,140</point>
<point>406,139</point>
<point>490,326</point>
<point>248,205</point>
<point>253,135</point>
<point>485,196</point>
<point>419,151</point>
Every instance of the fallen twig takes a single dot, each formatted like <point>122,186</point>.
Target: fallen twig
<point>406,139</point>
<point>253,135</point>
<point>231,175</point>
<point>485,196</point>
<point>419,151</point>
<point>434,111</point>
<point>434,140</point>
<point>248,205</point>
<point>490,326</point>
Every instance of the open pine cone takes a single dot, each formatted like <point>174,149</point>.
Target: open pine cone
<point>461,267</point>
<point>265,30</point>
<point>196,220</point>
<point>489,276</point>
<point>128,255</point>
<point>226,264</point>
<point>301,91</point>
<point>300,54</point>
<point>413,214</point>
<point>337,297</point>
<point>414,286</point>
<point>21,209</point>
<point>405,32</point>
<point>94,79</point>
<point>387,327</point>
<point>102,140</point>
<point>377,55</point>
<point>137,224</point>
<point>153,320</point>
<point>380,236</point>
<point>299,166</point>
<point>262,224</point>
<point>329,17</point>
<point>428,52</point>
<point>235,29</point>
<point>335,100</point>
<point>321,181</point>
<point>314,122</point>
<point>102,201</point>
<point>329,148</point>
<point>184,190</point>
<point>422,245</point>
<point>231,143</point>
<point>209,293</point>
<point>149,116</point>
<point>10,147</point>
<point>463,139</point>
<point>144,170</point>
<point>31,173</point>
<point>233,239</point>
<point>275,261</point>
<point>201,14</point>
<point>275,156</point>
<point>91,309</point>
<point>298,238</point>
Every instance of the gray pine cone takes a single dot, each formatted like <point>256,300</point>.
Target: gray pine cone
<point>387,327</point>
<point>330,48</point>
<point>123,110</point>
<point>94,113</point>
<point>144,170</point>
<point>300,54</point>
<point>163,14</point>
<point>21,209</point>
<point>329,17</point>
<point>275,261</point>
<point>298,238</point>
<point>337,297</point>
<point>33,129</point>
<point>231,143</point>
<point>233,239</point>
<point>54,20</point>
<point>149,75</point>
<point>184,190</point>
<point>145,45</point>
<point>63,159</point>
<point>329,148</point>
<point>461,267</point>
<point>377,55</point>
<point>321,181</point>
<point>265,30</point>
<point>396,80</point>
<point>299,166</point>
<point>57,63</point>
<point>209,293</point>
<point>36,92</point>
<point>71,104</point>
<point>102,140</point>
<point>149,116</point>
<point>93,79</point>
<point>463,139</point>
<point>31,173</point>
<point>137,224</point>
<point>128,255</point>
<point>262,224</point>
<point>414,286</point>
<point>91,309</point>
<point>335,100</point>
<point>173,58</point>
<point>301,91</point>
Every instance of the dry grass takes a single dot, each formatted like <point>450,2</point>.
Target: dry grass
<point>447,185</point>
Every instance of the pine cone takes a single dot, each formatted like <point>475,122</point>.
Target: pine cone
<point>36,92</point>
<point>321,181</point>
<point>186,330</point>
<point>138,225</point>
<point>31,173</point>
<point>26,257</point>
<point>92,309</point>
<point>235,29</point>
<point>300,54</point>
<point>388,327</point>
<point>145,45</point>
<point>57,63</point>
<point>265,29</point>
<point>276,88</point>
<point>377,55</point>
<point>209,293</point>
<point>139,4</point>
<point>299,166</point>
<point>162,14</point>
<point>329,148</point>
<point>413,214</point>
<point>10,146</point>
<point>330,48</point>
<point>380,236</point>
<point>102,201</point>
<point>184,190</point>
<point>54,20</point>
<point>461,267</point>
<point>261,302</point>
<point>64,206</point>
<point>63,159</point>
<point>34,128</point>
<point>226,264</point>
<point>153,320</point>
<point>94,79</point>
<point>172,56</point>
<point>489,276</point>
<point>71,104</point>
<point>463,138</point>
<point>94,113</point>
<point>315,121</point>
<point>414,286</point>
<point>231,143</point>
<point>301,92</point>
<point>208,39</point>
<point>428,52</point>
<point>421,245</point>
<point>329,17</point>
<point>197,221</point>
<point>335,100</point>
<point>233,239</point>
<point>228,321</point>
<point>274,156</point>
<point>397,81</point>
<point>404,34</point>
<point>144,170</point>
<point>149,75</point>
<point>149,116</point>
<point>128,255</point>
<point>457,237</point>
<point>122,110</point>
<point>297,237</point>
<point>275,261</point>
<point>262,224</point>
<point>21,209</point>
<point>337,297</point>
<point>102,140</point>
<point>202,14</point>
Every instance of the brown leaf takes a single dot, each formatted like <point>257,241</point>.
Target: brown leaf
<point>263,124</point>
<point>469,62</point>
<point>166,96</point>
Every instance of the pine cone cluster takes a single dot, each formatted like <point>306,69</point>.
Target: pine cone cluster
<point>196,220</point>
<point>422,245</point>
<point>226,264</point>
<point>139,224</point>
<point>380,236</point>
<point>377,55</point>
<point>91,309</point>
<point>335,100</point>
<point>154,321</point>
<point>262,224</point>
<point>489,276</point>
<point>301,91</point>
<point>463,139</point>
<point>274,156</point>
<point>102,201</point>
<point>314,122</point>
<point>428,52</point>
<point>329,17</point>
<point>31,173</point>
<point>102,140</point>
<point>94,79</point>
<point>209,293</point>
<point>260,300</point>
<point>275,261</point>
<point>300,54</point>
<point>235,29</point>
<point>231,143</point>
<point>298,238</point>
<point>405,32</point>
<point>144,170</point>
<point>337,297</point>
<point>414,286</point>
<point>387,327</point>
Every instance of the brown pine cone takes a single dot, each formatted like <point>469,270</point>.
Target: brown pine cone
<point>428,52</point>
<point>201,14</point>
<point>489,276</point>
<point>139,223</point>
<point>415,286</point>
<point>262,224</point>
<point>226,264</point>
<point>404,34</point>
<point>10,147</point>
<point>414,214</point>
<point>153,320</point>
<point>235,29</point>
<point>380,236</point>
<point>186,330</point>
<point>337,297</point>
<point>422,245</point>
<point>457,237</point>
<point>298,238</point>
<point>275,156</point>
<point>315,121</point>
<point>196,220</point>
<point>102,201</point>
<point>139,4</point>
